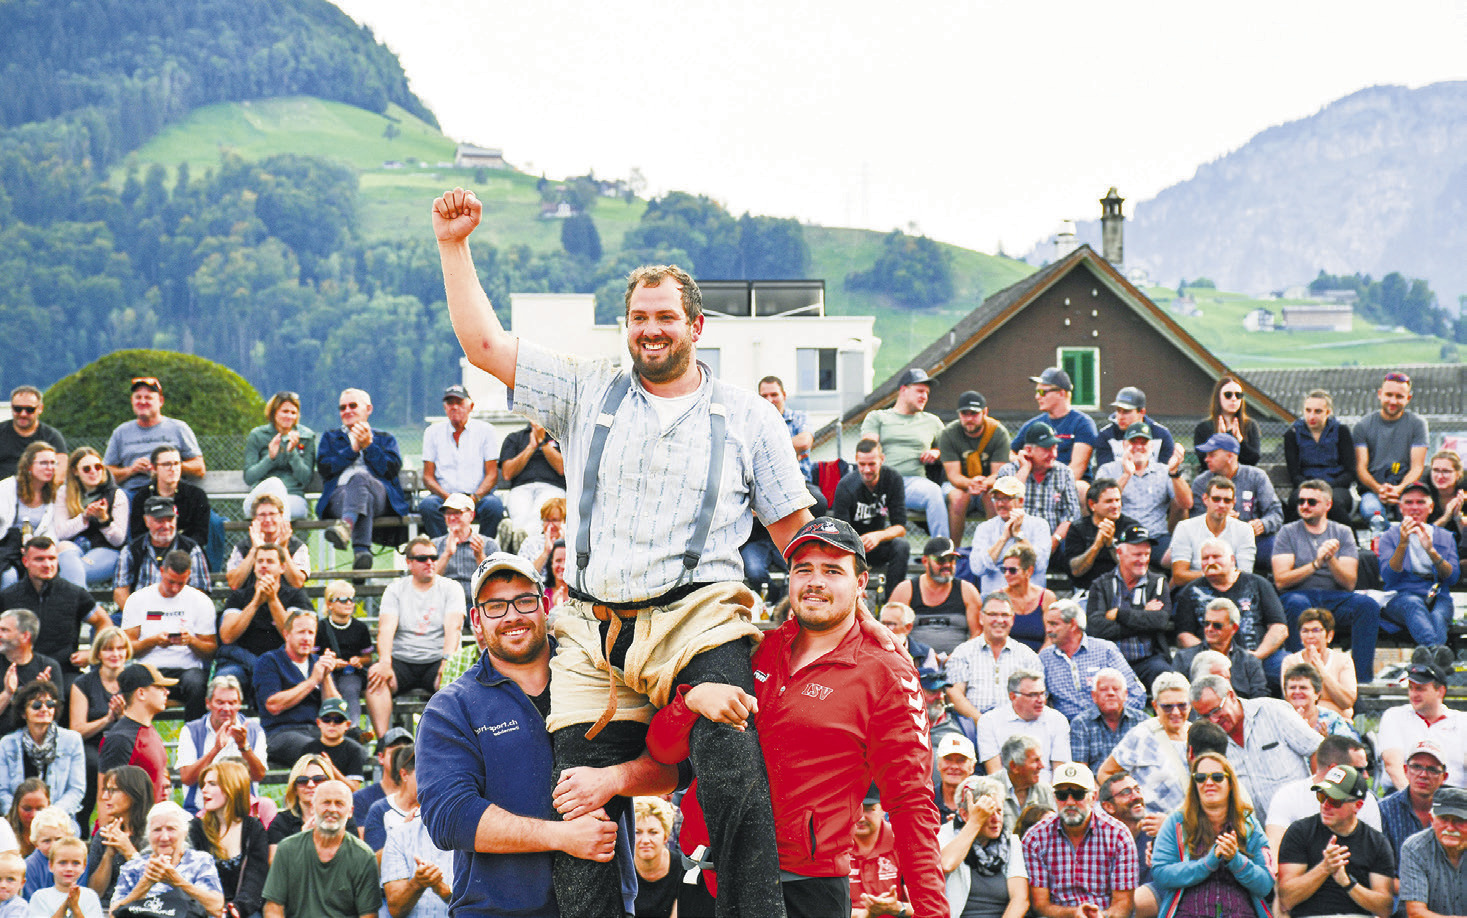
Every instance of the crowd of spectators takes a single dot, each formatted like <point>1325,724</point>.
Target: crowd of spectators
<point>1136,688</point>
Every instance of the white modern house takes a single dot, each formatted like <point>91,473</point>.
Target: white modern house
<point>752,329</point>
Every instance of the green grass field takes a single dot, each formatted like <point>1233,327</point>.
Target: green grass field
<point>1220,329</point>
<point>393,204</point>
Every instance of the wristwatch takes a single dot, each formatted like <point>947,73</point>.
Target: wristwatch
<point>1353,883</point>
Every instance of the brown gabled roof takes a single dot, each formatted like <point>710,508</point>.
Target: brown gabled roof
<point>994,312</point>
<point>1438,389</point>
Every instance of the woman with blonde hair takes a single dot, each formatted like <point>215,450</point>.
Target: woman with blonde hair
<point>28,504</point>
<point>1228,413</point>
<point>280,455</point>
<point>657,882</point>
<point>91,514</point>
<point>309,772</point>
<point>237,841</point>
<point>1211,857</point>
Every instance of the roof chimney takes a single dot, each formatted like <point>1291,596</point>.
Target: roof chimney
<point>1112,228</point>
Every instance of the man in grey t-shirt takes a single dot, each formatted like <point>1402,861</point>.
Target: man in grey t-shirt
<point>132,443</point>
<point>421,625</point>
<point>1390,451</point>
<point>1315,564</point>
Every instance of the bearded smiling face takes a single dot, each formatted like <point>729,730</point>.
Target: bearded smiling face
<point>660,338</point>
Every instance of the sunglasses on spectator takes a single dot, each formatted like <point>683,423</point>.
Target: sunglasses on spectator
<point>1208,626</point>
<point>1175,707</point>
<point>42,703</point>
<point>88,469</point>
<point>23,409</point>
<point>344,407</point>
<point>342,599</point>
<point>1042,391</point>
<point>1070,793</point>
<point>146,381</point>
<point>1237,393</point>
<point>1309,501</point>
<point>1398,377</point>
<point>333,719</point>
<point>422,557</point>
<point>525,604</point>
<point>1216,777</point>
<point>1011,568</point>
<point>303,780</point>
<point>1221,498</point>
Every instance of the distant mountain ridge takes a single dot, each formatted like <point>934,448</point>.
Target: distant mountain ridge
<point>1374,182</point>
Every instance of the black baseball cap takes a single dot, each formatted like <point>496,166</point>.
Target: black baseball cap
<point>916,376</point>
<point>1040,434</point>
<point>1134,534</point>
<point>831,531</point>
<point>455,391</point>
<point>159,508</point>
<point>140,675</point>
<point>972,401</point>
<point>940,546</point>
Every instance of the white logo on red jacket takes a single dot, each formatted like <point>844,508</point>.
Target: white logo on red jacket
<point>815,690</point>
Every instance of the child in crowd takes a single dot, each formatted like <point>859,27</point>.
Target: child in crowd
<point>340,631</point>
<point>65,899</point>
<point>12,878</point>
<point>347,754</point>
<point>49,826</point>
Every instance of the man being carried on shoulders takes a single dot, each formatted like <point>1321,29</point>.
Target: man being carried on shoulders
<point>663,466</point>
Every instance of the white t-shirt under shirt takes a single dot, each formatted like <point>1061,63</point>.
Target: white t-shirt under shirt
<point>1295,801</point>
<point>152,613</point>
<point>420,614</point>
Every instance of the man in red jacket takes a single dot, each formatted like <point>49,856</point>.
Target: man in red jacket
<point>827,693</point>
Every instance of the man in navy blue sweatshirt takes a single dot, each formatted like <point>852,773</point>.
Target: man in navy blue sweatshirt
<point>485,782</point>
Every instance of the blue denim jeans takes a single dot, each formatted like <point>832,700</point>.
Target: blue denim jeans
<point>1355,614</point>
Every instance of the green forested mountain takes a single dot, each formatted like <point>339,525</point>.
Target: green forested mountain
<point>94,79</point>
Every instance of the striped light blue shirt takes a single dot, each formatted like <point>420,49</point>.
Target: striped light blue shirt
<point>650,484</point>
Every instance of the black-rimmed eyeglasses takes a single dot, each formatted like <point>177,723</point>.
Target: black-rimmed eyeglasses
<point>524,604</point>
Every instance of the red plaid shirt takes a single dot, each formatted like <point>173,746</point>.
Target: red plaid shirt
<point>1104,862</point>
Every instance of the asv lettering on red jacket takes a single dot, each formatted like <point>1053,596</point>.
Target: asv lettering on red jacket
<point>919,708</point>
<point>815,690</point>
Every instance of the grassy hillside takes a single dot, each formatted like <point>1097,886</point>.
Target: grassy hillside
<point>1220,329</point>
<point>393,204</point>
<point>834,253</point>
<point>393,201</point>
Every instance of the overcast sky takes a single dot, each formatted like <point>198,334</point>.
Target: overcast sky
<point>981,123</point>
